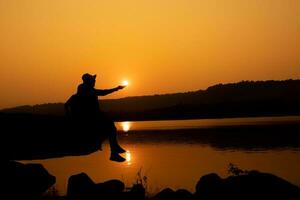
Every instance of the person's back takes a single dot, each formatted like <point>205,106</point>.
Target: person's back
<point>88,101</point>
<point>72,107</point>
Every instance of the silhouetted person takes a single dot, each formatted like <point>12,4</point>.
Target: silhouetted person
<point>84,105</point>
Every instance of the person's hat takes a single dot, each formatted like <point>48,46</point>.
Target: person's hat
<point>88,77</point>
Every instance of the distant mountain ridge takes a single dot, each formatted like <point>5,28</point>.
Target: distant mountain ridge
<point>245,98</point>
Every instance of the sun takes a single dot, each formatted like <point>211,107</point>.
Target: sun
<point>125,83</point>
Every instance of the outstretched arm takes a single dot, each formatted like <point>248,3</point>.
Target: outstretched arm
<point>108,91</point>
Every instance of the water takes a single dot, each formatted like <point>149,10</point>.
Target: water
<point>204,123</point>
<point>177,153</point>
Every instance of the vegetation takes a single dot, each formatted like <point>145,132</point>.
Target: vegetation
<point>234,170</point>
<point>243,99</point>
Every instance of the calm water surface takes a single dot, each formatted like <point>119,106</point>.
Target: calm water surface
<point>179,162</point>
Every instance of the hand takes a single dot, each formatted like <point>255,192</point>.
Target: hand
<point>121,87</point>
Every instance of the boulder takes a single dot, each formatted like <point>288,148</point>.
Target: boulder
<point>111,185</point>
<point>260,186</point>
<point>183,194</point>
<point>80,186</point>
<point>169,194</point>
<point>209,186</point>
<point>137,192</point>
<point>26,181</point>
<point>253,185</point>
<point>165,194</point>
<point>21,136</point>
<point>112,189</point>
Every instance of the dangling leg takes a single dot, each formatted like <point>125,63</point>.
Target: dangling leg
<point>113,142</point>
<point>115,148</point>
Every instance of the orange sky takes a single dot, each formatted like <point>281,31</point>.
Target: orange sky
<point>160,46</point>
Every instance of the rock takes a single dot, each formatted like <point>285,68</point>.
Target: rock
<point>111,185</point>
<point>260,186</point>
<point>254,185</point>
<point>27,181</point>
<point>20,135</point>
<point>165,194</point>
<point>169,194</point>
<point>137,192</point>
<point>209,186</point>
<point>80,186</point>
<point>183,194</point>
<point>112,189</point>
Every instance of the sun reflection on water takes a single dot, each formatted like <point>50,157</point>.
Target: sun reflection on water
<point>125,126</point>
<point>128,157</point>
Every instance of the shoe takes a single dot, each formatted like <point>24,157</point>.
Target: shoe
<point>118,149</point>
<point>116,157</point>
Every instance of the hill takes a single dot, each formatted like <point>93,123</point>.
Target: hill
<point>242,99</point>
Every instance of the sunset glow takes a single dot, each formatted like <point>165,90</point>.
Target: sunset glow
<point>150,99</point>
<point>165,46</point>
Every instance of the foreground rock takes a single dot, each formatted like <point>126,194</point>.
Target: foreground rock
<point>28,181</point>
<point>165,194</point>
<point>253,185</point>
<point>169,194</point>
<point>31,181</point>
<point>81,186</point>
<point>28,137</point>
<point>250,185</point>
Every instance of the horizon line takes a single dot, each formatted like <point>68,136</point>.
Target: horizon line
<point>157,94</point>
